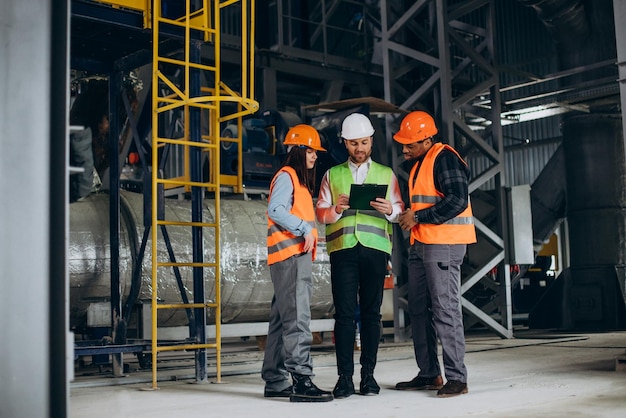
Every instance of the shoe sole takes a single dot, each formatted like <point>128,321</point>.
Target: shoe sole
<point>449,395</point>
<point>300,398</point>
<point>276,395</point>
<point>343,396</point>
<point>429,387</point>
<point>372,393</point>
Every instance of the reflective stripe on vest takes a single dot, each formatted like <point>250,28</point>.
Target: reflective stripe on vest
<point>282,244</point>
<point>458,230</point>
<point>370,228</point>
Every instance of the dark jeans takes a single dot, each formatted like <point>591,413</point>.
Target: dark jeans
<point>357,271</point>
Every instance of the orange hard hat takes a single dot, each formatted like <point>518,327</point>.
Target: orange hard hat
<point>304,135</point>
<point>416,126</point>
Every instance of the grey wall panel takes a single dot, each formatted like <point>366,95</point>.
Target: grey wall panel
<point>522,164</point>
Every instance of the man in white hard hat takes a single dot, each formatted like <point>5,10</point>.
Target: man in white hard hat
<point>359,244</point>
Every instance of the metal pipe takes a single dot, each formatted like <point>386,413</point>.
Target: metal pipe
<point>246,286</point>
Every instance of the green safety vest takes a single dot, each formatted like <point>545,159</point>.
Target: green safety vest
<point>370,228</point>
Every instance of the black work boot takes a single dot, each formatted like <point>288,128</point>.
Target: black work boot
<point>305,391</point>
<point>368,385</point>
<point>344,387</point>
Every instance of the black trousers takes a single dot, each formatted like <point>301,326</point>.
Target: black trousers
<point>357,271</point>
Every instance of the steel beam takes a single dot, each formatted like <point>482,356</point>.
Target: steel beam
<point>454,48</point>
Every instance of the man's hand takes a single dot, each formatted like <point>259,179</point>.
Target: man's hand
<point>407,220</point>
<point>342,203</point>
<point>382,205</point>
<point>309,242</point>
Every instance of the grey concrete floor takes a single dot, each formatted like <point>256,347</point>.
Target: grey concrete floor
<point>532,375</point>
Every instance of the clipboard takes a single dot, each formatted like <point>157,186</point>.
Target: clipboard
<point>362,194</point>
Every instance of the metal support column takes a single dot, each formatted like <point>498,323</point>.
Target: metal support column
<point>438,56</point>
<point>197,196</point>
<point>118,329</point>
<point>619,13</point>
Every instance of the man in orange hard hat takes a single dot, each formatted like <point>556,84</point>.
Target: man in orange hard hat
<point>441,223</point>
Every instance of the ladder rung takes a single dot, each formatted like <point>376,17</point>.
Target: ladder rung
<point>183,24</point>
<point>184,264</point>
<point>186,183</point>
<point>205,102</point>
<point>186,305</point>
<point>181,141</point>
<point>183,223</point>
<point>185,347</point>
<point>185,63</point>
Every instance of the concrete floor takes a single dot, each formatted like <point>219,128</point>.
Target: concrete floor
<point>533,375</point>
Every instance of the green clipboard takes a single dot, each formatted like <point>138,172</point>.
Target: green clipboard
<point>362,194</point>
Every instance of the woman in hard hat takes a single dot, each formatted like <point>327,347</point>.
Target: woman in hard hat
<point>359,244</point>
<point>291,247</point>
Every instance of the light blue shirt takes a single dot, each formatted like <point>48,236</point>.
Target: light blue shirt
<point>280,204</point>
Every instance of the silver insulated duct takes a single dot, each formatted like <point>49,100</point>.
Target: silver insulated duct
<point>246,286</point>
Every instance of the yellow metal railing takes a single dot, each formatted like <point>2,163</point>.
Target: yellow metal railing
<point>168,94</point>
<point>137,5</point>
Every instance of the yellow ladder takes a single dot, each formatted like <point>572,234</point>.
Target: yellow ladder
<point>197,28</point>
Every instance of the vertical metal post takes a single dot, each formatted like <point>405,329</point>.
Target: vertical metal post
<point>504,274</point>
<point>446,124</point>
<point>619,14</point>
<point>61,347</point>
<point>118,328</point>
<point>197,197</point>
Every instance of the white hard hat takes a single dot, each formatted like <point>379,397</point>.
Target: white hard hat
<point>356,126</point>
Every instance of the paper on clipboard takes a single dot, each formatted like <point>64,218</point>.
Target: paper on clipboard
<point>362,194</point>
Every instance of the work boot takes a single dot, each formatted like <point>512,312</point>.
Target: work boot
<point>344,387</point>
<point>285,393</point>
<point>421,383</point>
<point>452,388</point>
<point>305,391</point>
<point>368,384</point>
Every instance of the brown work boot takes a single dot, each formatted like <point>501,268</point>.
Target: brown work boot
<point>422,383</point>
<point>452,388</point>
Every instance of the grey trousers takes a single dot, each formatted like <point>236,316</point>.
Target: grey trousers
<point>434,274</point>
<point>288,346</point>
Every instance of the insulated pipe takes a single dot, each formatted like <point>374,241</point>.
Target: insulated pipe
<point>247,289</point>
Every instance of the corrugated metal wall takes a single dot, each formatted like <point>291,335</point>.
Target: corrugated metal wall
<point>524,47</point>
<point>529,146</point>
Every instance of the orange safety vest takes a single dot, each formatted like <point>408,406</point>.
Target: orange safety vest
<point>458,230</point>
<point>282,244</point>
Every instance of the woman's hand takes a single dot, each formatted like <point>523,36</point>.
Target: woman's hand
<point>309,242</point>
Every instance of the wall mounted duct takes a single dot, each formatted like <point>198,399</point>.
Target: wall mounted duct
<point>548,198</point>
<point>246,286</point>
